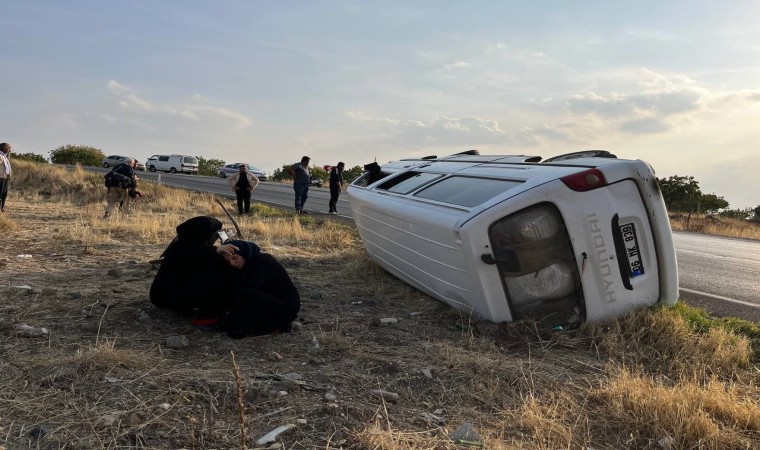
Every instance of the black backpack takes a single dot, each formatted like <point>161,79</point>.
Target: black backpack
<point>115,179</point>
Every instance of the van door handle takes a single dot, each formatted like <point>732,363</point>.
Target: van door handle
<point>488,259</point>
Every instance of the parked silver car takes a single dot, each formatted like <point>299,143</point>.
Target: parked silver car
<point>231,169</point>
<point>114,160</point>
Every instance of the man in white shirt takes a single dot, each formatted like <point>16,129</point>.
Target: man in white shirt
<point>5,173</point>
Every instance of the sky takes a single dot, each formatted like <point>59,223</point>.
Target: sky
<point>674,83</point>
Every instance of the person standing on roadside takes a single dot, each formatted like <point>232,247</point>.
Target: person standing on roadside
<point>336,185</point>
<point>301,180</point>
<point>121,182</point>
<point>243,183</point>
<point>5,173</point>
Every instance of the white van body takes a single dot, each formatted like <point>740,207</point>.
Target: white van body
<point>506,237</point>
<point>172,163</point>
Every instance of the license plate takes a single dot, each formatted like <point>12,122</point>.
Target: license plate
<point>635,267</point>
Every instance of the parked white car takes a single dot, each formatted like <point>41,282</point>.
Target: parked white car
<point>231,169</point>
<point>580,237</point>
<point>172,163</point>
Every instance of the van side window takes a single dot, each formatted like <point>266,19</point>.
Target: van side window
<point>408,181</point>
<point>163,158</point>
<point>466,191</point>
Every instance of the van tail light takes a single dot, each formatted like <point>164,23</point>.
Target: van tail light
<point>585,181</point>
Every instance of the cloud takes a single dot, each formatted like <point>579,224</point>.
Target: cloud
<point>114,85</point>
<point>195,111</point>
<point>457,65</point>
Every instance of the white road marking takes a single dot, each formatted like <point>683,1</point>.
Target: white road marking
<point>719,297</point>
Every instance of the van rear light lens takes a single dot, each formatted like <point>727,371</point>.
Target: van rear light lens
<point>535,259</point>
<point>585,181</point>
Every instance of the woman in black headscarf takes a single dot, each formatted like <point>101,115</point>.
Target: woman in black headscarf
<point>193,274</point>
<point>265,299</point>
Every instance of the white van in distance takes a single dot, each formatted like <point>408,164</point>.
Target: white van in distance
<point>579,237</point>
<point>172,163</point>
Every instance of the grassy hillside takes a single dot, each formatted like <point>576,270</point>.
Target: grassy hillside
<point>103,376</point>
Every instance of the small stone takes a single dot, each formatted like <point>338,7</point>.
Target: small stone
<point>301,421</point>
<point>330,397</point>
<point>465,432</point>
<point>40,431</point>
<point>282,393</point>
<point>297,326</point>
<point>164,406</point>
<point>272,435</point>
<point>427,372</point>
<point>134,419</point>
<point>666,442</point>
<point>378,321</point>
<point>116,273</point>
<point>274,356</point>
<point>180,341</point>
<point>25,330</point>
<point>390,397</point>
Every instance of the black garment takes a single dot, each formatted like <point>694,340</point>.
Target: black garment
<point>243,199</point>
<point>266,300</point>
<point>192,274</point>
<point>4,182</point>
<point>126,170</point>
<point>336,183</point>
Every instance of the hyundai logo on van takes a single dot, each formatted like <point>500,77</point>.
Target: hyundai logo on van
<point>605,268</point>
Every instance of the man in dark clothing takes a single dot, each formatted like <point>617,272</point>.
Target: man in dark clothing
<point>265,300</point>
<point>193,274</point>
<point>5,172</point>
<point>336,185</point>
<point>120,181</point>
<point>243,183</point>
<point>301,181</point>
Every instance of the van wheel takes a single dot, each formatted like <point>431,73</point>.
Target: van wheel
<point>222,175</point>
<point>152,168</point>
<point>105,164</point>
<point>172,170</point>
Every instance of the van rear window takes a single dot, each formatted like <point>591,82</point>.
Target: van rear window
<point>190,160</point>
<point>408,181</point>
<point>466,191</point>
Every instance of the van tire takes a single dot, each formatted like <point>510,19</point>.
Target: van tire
<point>152,168</point>
<point>105,165</point>
<point>222,175</point>
<point>172,170</point>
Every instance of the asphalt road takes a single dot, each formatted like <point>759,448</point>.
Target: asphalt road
<point>719,274</point>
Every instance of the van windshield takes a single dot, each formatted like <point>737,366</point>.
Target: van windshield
<point>190,160</point>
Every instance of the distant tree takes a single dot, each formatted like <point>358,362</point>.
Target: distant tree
<point>77,154</point>
<point>711,203</point>
<point>681,194</point>
<point>349,175</point>
<point>756,214</point>
<point>29,157</point>
<point>319,172</point>
<point>209,166</point>
<point>282,173</point>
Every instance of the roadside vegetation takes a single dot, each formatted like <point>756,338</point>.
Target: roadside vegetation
<point>103,376</point>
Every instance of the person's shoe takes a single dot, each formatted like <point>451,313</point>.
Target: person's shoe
<point>333,212</point>
<point>303,211</point>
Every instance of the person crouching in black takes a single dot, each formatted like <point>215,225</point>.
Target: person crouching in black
<point>265,300</point>
<point>193,275</point>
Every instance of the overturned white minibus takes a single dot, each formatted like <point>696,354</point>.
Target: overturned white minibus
<point>579,237</point>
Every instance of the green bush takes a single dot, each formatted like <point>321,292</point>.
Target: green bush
<point>33,157</point>
<point>77,154</point>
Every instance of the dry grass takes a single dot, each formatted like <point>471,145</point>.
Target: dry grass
<point>718,226</point>
<point>104,378</point>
